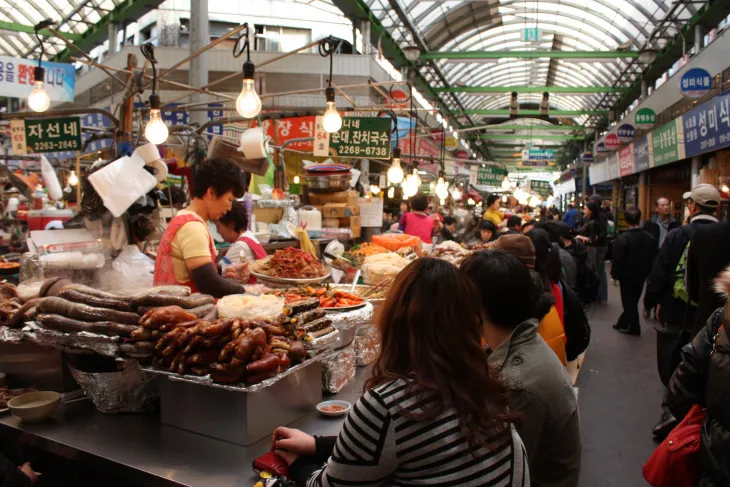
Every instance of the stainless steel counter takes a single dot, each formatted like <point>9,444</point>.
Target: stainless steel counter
<point>141,449</point>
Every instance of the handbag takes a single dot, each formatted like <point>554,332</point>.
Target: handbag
<point>271,463</point>
<point>676,461</point>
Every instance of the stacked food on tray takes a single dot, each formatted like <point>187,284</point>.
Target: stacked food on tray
<point>232,350</point>
<point>328,298</point>
<point>289,263</point>
<point>450,251</point>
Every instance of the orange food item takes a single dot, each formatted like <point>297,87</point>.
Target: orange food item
<point>333,409</point>
<point>9,265</point>
<point>396,241</point>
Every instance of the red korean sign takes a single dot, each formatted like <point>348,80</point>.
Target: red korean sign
<point>286,129</point>
<point>626,161</point>
<point>612,141</point>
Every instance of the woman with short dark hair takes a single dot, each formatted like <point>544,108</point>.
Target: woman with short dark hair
<point>432,409</point>
<point>540,389</point>
<point>233,227</point>
<point>186,254</point>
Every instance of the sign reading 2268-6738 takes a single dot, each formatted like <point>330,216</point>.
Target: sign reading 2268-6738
<point>48,135</point>
<point>367,137</point>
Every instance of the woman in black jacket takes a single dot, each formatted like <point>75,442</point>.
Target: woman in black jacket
<point>703,378</point>
<point>593,233</point>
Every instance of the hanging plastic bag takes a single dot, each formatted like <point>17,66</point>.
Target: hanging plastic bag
<point>51,180</point>
<point>131,270</point>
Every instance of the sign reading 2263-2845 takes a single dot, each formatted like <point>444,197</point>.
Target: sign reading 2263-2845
<point>47,135</point>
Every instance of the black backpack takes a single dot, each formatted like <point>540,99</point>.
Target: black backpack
<point>577,328</point>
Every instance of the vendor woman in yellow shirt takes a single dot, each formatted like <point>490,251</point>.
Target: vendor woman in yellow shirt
<point>186,254</point>
<point>494,202</point>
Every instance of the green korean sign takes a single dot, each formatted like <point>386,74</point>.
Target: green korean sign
<point>667,144</point>
<point>645,118</point>
<point>542,188</point>
<point>366,137</point>
<point>49,135</point>
<point>486,176</point>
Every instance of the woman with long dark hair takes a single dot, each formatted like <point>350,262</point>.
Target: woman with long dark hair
<point>593,232</point>
<point>433,412</point>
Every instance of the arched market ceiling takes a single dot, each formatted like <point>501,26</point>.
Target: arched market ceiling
<point>443,28</point>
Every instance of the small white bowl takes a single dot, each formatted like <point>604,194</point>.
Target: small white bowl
<point>344,404</point>
<point>263,238</point>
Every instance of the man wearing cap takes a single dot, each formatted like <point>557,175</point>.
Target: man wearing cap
<point>676,315</point>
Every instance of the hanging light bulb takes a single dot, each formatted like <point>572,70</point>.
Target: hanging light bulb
<point>156,130</point>
<point>504,198</point>
<point>442,188</point>
<point>506,183</point>
<point>442,201</point>
<point>296,179</point>
<point>395,172</point>
<point>391,192</point>
<point>248,103</point>
<point>416,177</point>
<point>471,202</point>
<point>38,100</point>
<point>456,193</point>
<point>331,122</point>
<point>374,189</point>
<point>535,201</point>
<point>73,179</point>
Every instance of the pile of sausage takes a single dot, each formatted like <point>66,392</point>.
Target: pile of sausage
<point>9,304</point>
<point>230,350</point>
<point>79,308</point>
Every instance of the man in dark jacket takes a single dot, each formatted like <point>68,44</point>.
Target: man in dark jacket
<point>514,225</point>
<point>676,315</point>
<point>633,254</point>
<point>702,378</point>
<point>661,222</point>
<point>709,254</point>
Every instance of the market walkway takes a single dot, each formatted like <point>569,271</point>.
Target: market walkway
<point>619,399</point>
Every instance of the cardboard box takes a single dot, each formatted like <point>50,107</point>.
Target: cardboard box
<point>350,198</point>
<point>339,210</point>
<point>353,223</point>
<point>268,215</point>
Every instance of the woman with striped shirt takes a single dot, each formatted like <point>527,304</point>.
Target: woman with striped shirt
<point>432,412</point>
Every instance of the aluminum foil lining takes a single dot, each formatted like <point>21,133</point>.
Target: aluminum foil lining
<point>338,369</point>
<point>30,267</point>
<point>11,335</point>
<point>207,381</point>
<point>315,346</point>
<point>129,390</point>
<point>350,319</point>
<point>273,203</point>
<point>72,342</point>
<point>367,345</point>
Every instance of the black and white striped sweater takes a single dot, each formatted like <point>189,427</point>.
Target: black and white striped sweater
<point>380,446</point>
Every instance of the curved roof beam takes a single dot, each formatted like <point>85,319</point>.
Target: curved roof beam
<point>484,75</point>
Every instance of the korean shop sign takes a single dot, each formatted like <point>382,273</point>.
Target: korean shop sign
<point>17,78</point>
<point>626,160</point>
<point>695,83</point>
<point>486,176</point>
<point>47,135</point>
<point>667,144</point>
<point>601,148</point>
<point>543,188</point>
<point>626,132</point>
<point>612,142</point>
<point>645,118</point>
<point>367,137</point>
<point>642,154</point>
<point>707,127</point>
<point>538,155</point>
<point>588,157</point>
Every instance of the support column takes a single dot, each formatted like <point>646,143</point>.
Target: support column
<point>354,35</point>
<point>699,37</point>
<point>199,38</point>
<point>584,182</point>
<point>365,32</point>
<point>644,196</point>
<point>696,163</point>
<point>644,89</point>
<point>113,32</point>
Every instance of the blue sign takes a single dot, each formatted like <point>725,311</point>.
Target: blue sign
<point>96,120</point>
<point>175,118</point>
<point>538,155</point>
<point>626,132</point>
<point>588,157</point>
<point>695,83</point>
<point>707,127</point>
<point>642,157</point>
<point>217,112</point>
<point>601,148</point>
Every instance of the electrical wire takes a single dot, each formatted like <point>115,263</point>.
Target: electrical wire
<point>327,47</point>
<point>148,51</point>
<point>245,35</point>
<point>37,28</point>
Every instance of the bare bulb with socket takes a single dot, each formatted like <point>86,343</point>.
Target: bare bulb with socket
<point>296,179</point>
<point>391,192</point>
<point>395,172</point>
<point>331,122</point>
<point>248,103</point>
<point>441,189</point>
<point>156,131</point>
<point>73,179</point>
<point>38,100</point>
